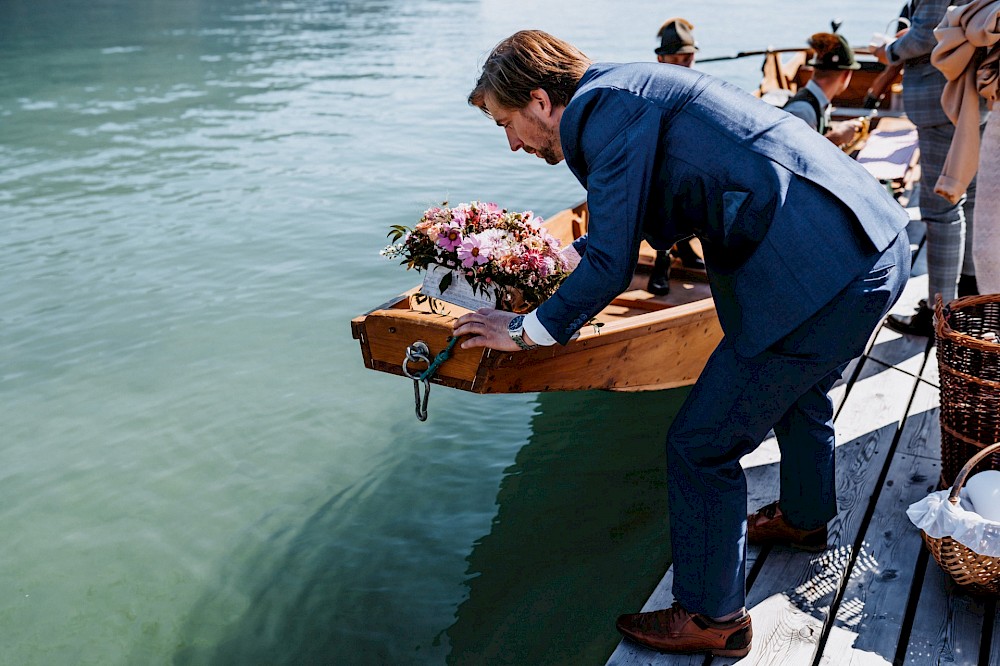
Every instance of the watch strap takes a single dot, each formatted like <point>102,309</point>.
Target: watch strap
<point>516,331</point>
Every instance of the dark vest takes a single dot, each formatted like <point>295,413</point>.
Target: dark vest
<point>804,95</point>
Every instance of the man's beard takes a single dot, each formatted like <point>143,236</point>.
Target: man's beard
<point>551,149</point>
<point>549,155</point>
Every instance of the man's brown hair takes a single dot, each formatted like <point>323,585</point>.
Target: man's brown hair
<point>525,61</point>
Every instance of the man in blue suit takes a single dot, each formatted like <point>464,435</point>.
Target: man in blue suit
<point>805,254</point>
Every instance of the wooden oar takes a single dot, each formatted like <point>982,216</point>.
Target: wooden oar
<point>746,54</point>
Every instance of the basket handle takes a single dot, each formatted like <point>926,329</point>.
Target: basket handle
<point>973,461</point>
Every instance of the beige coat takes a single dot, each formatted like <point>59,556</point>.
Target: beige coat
<point>968,53</point>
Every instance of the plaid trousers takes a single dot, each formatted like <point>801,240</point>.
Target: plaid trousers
<point>949,226</point>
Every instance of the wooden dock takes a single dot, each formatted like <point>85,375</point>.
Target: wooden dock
<point>876,596</point>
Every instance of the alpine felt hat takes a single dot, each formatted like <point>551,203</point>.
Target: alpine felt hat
<point>832,52</point>
<point>675,37</point>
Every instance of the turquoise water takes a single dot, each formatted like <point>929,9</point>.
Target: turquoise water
<point>195,467</point>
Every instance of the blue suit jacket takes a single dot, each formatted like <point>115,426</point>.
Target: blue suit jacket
<point>786,219</point>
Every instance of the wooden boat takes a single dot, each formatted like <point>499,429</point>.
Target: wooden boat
<point>645,342</point>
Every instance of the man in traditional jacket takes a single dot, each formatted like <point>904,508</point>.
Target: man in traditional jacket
<point>805,254</point>
<point>833,66</point>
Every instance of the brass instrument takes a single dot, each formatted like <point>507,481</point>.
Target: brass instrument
<point>860,136</point>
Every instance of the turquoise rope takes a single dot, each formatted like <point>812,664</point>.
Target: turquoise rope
<point>438,360</point>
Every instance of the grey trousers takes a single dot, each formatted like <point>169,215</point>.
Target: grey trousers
<point>949,226</point>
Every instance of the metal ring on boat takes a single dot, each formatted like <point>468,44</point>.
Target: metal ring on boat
<point>418,351</point>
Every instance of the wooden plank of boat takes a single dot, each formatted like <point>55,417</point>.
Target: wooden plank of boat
<point>644,342</point>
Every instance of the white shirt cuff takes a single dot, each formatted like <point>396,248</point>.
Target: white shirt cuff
<point>537,332</point>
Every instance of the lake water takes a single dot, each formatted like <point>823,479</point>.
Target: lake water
<point>195,467</point>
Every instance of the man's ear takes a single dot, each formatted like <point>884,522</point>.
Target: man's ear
<point>541,102</point>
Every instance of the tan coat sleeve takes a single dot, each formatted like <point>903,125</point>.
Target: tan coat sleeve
<point>961,35</point>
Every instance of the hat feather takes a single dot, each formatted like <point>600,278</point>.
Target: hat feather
<point>823,43</point>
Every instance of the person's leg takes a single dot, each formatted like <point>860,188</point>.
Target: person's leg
<point>729,411</point>
<point>945,234</point>
<point>806,441</point>
<point>945,221</point>
<point>659,276</point>
<point>689,258</point>
<point>987,240</point>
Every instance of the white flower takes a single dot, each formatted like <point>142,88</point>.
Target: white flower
<point>495,242</point>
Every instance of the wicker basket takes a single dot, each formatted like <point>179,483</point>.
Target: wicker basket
<point>970,381</point>
<point>976,574</point>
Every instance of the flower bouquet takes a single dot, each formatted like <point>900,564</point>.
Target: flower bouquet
<point>480,255</point>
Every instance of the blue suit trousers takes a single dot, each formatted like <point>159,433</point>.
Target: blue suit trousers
<point>730,410</point>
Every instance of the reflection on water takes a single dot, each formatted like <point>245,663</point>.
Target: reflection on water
<point>580,534</point>
<point>370,574</point>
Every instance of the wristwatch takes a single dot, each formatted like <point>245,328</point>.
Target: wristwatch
<point>516,330</point>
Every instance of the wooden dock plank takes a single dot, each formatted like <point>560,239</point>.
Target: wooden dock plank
<point>948,625</point>
<point>869,618</point>
<point>867,423</point>
<point>922,432</point>
<point>932,373</point>
<point>791,598</point>
<point>904,352</point>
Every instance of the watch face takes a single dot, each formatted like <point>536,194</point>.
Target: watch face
<point>515,323</point>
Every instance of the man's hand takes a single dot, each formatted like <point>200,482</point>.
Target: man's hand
<point>841,133</point>
<point>879,51</point>
<point>487,328</point>
<point>880,54</point>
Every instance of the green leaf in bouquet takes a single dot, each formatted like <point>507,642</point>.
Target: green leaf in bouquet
<point>445,282</point>
<point>396,232</point>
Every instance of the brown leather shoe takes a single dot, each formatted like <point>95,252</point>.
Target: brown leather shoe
<point>769,526</point>
<point>676,630</point>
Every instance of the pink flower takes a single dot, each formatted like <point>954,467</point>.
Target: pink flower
<point>450,237</point>
<point>535,263</point>
<point>490,244</point>
<point>471,252</point>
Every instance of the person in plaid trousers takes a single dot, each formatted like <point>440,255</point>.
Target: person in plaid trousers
<point>950,269</point>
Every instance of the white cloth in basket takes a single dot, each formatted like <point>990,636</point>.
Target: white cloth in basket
<point>939,518</point>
